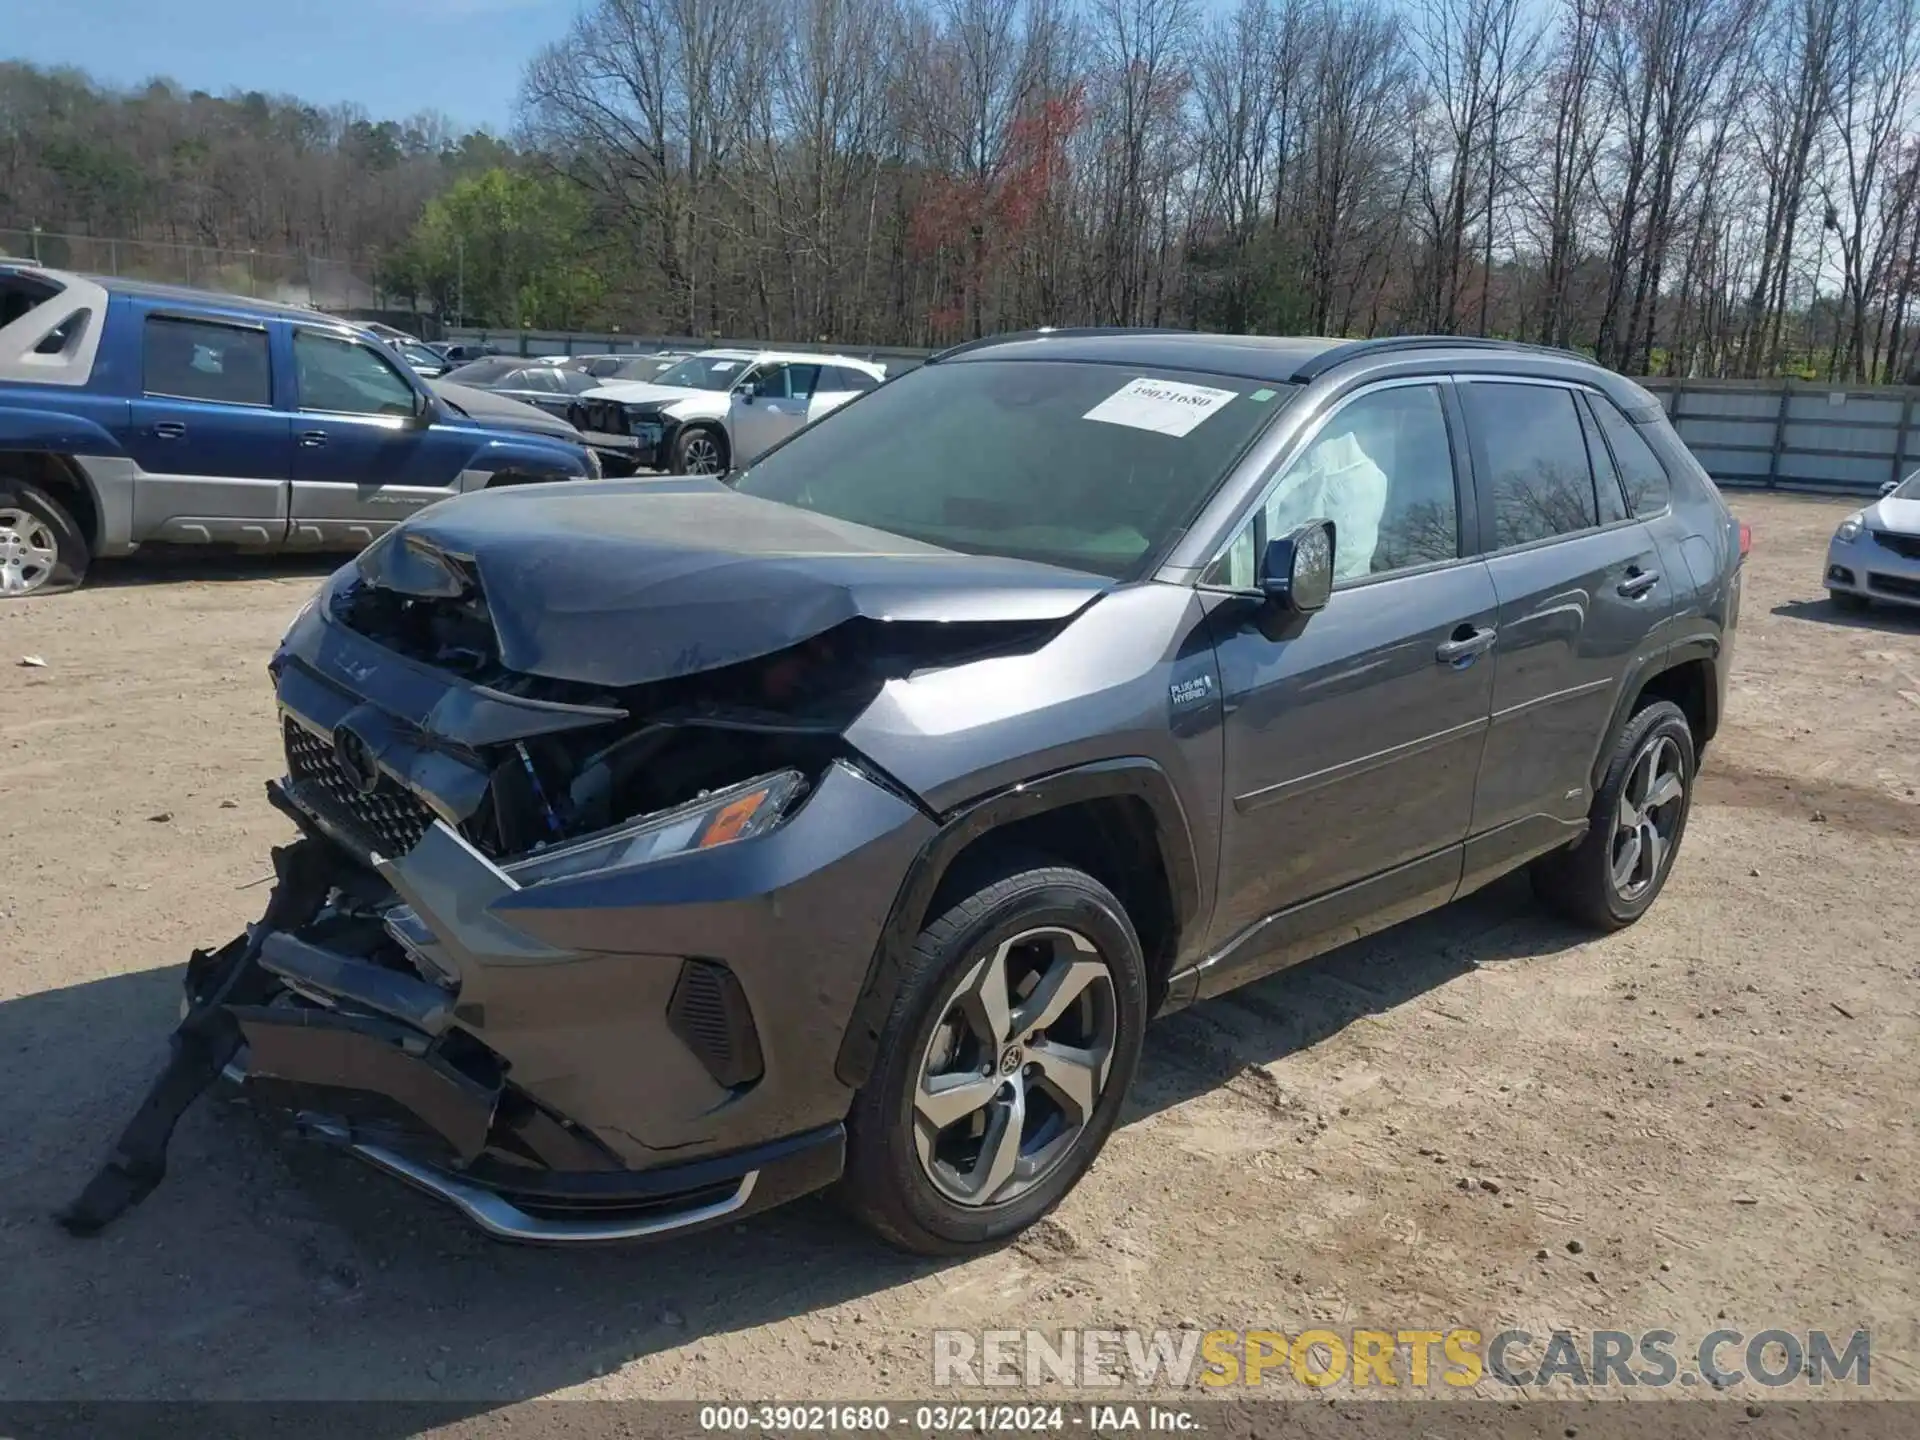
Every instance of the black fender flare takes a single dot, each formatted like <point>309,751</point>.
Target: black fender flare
<point>1131,776</point>
<point>1704,646</point>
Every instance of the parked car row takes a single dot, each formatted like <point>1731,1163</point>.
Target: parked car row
<point>718,409</point>
<point>135,414</point>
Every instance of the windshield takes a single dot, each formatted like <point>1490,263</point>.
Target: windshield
<point>702,372</point>
<point>646,367</point>
<point>1086,465</point>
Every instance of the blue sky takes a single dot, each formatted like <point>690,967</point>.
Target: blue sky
<point>395,57</point>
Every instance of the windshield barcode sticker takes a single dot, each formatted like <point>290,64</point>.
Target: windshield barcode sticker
<point>1166,407</point>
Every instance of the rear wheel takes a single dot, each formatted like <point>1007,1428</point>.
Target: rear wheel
<point>1002,1066</point>
<point>1634,828</point>
<point>41,549</point>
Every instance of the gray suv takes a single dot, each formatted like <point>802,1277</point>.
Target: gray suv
<point>674,847</point>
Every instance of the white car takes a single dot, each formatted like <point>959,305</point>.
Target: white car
<point>1875,554</point>
<point>716,410</point>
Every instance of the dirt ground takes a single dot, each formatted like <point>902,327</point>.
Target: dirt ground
<point>1717,1105</point>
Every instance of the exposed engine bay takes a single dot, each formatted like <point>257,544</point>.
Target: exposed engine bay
<point>664,742</point>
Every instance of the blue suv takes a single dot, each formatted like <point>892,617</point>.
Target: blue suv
<point>135,414</point>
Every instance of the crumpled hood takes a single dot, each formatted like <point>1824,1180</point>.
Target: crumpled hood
<point>491,408</point>
<point>626,582</point>
<point>642,392</point>
<point>1902,517</point>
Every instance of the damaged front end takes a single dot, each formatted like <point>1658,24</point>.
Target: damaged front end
<point>574,930</point>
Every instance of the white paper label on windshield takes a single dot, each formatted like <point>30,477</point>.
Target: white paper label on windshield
<point>1166,407</point>
<point>725,364</point>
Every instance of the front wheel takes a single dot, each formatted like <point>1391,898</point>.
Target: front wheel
<point>1611,878</point>
<point>1002,1066</point>
<point>698,450</point>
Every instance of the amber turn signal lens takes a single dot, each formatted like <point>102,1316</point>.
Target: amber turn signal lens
<point>730,820</point>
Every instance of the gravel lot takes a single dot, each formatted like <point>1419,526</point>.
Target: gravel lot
<point>1717,1105</point>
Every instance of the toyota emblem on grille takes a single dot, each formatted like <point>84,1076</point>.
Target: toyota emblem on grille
<point>355,758</point>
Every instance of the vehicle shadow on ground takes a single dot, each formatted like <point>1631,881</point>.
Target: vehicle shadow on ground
<point>268,1268</point>
<point>167,568</point>
<point>1887,619</point>
<point>1224,1041</point>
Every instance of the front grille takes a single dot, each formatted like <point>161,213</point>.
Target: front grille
<point>1895,585</point>
<point>608,417</point>
<point>388,822</point>
<point>1903,545</point>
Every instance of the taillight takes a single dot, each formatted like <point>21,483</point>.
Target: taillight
<point>1746,539</point>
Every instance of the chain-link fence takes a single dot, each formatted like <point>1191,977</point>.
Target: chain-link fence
<point>290,277</point>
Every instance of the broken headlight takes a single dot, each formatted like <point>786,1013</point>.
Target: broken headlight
<point>719,817</point>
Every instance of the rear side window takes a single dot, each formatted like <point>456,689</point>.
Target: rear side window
<point>1539,481</point>
<point>65,336</point>
<point>845,377</point>
<point>1642,474</point>
<point>201,360</point>
<point>1606,479</point>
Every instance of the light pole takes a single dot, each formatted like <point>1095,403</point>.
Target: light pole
<point>36,244</point>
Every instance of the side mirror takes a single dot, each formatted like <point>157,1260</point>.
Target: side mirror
<point>1297,570</point>
<point>1889,487</point>
<point>750,391</point>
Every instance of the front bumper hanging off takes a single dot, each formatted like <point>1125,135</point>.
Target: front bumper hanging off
<point>368,1057</point>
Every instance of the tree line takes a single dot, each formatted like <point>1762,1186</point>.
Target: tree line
<point>1701,187</point>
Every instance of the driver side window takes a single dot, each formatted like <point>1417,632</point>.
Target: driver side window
<point>1381,469</point>
<point>343,377</point>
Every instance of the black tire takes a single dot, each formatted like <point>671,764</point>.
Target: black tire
<point>885,1185</point>
<point>1847,600</point>
<point>71,556</point>
<point>1580,882</point>
<point>689,436</point>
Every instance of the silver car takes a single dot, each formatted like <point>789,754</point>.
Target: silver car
<point>1875,554</point>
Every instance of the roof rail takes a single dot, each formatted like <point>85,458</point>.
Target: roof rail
<point>1069,331</point>
<point>1318,365</point>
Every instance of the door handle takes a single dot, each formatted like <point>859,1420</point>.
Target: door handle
<point>1467,642</point>
<point>313,439</point>
<point>1638,582</point>
<point>169,429</point>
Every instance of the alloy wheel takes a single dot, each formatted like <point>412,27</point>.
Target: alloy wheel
<point>1015,1067</point>
<point>701,454</point>
<point>1648,816</point>
<point>28,551</point>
